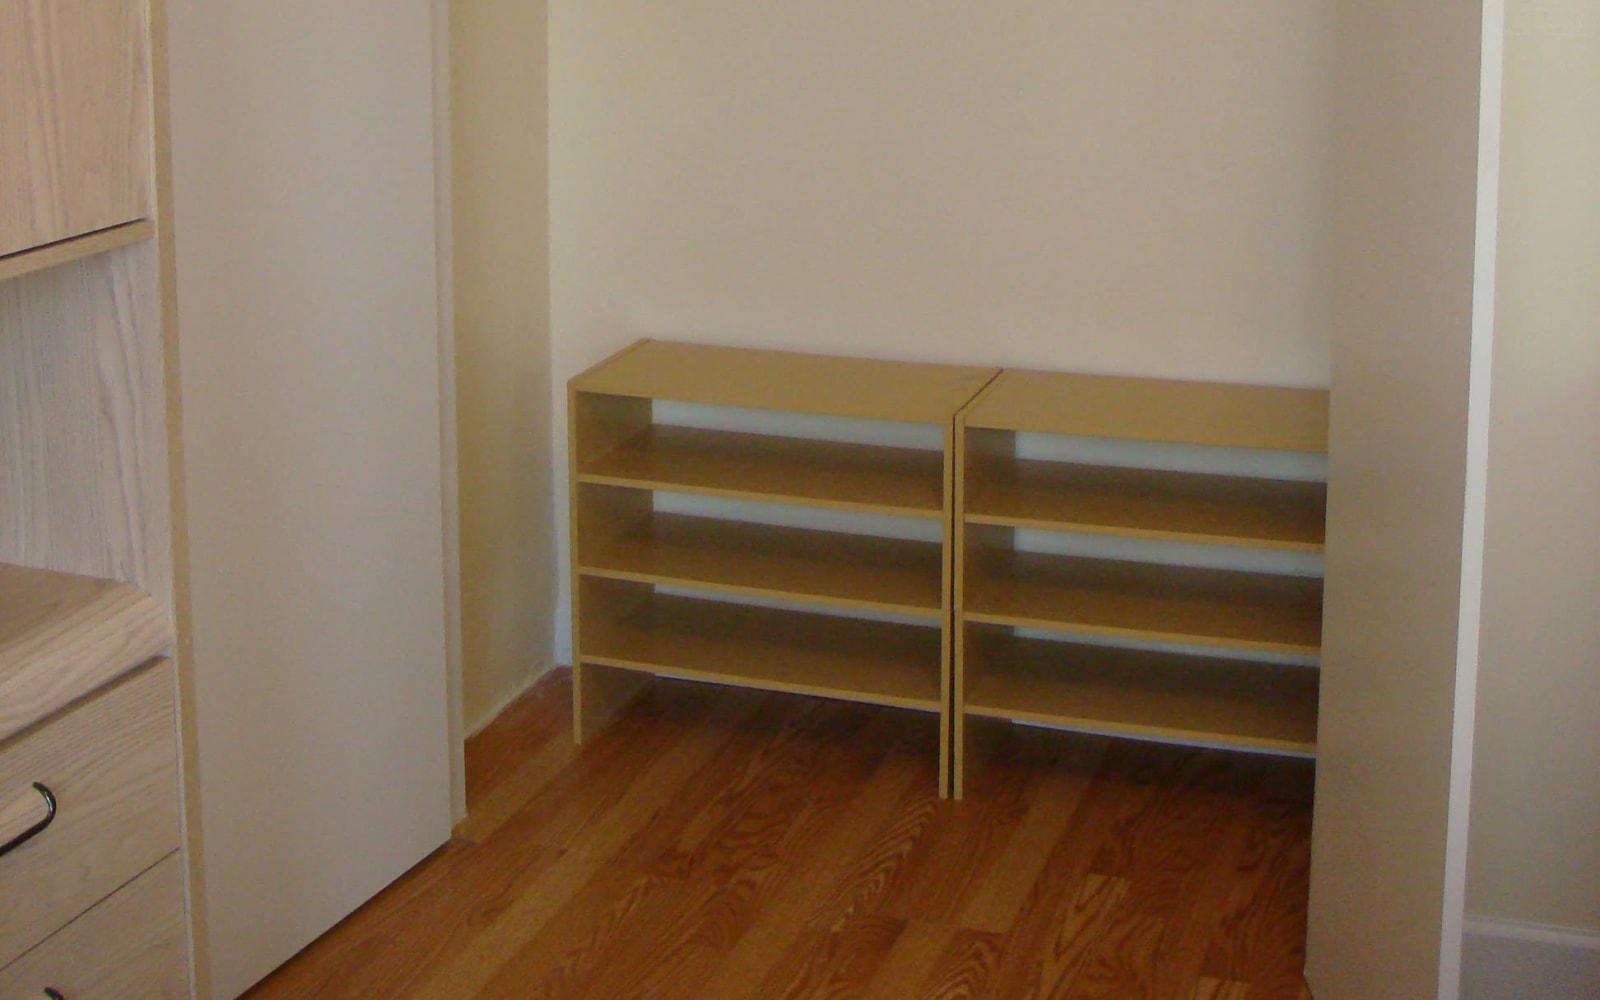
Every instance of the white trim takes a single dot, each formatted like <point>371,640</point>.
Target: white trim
<point>1491,73</point>
<point>444,240</point>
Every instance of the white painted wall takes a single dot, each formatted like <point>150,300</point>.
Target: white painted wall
<point>501,239</point>
<point>1120,187</point>
<point>303,148</point>
<point>1535,851</point>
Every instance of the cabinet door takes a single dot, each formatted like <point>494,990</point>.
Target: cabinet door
<point>309,343</point>
<point>74,118</point>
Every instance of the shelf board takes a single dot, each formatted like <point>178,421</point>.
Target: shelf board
<point>1175,604</point>
<point>865,478</point>
<point>1145,695</point>
<point>1142,503</point>
<point>866,661</point>
<point>62,636</point>
<point>757,560</point>
<point>65,252</point>
<point>796,383</point>
<point>1139,409</point>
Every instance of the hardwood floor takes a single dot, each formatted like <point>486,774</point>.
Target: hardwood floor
<point>722,843</point>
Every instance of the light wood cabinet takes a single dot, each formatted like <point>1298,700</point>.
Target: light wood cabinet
<point>130,945</point>
<point>1137,648</point>
<point>837,613</point>
<point>75,119</point>
<point>92,866</point>
<point>110,768</point>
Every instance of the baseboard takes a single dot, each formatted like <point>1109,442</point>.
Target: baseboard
<point>476,726</point>
<point>1506,960</point>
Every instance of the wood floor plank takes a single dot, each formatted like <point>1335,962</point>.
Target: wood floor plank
<point>658,781</point>
<point>918,949</point>
<point>716,843</point>
<point>964,970</point>
<point>820,871</point>
<point>954,855</point>
<point>997,902</point>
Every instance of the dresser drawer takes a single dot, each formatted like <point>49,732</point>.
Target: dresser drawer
<point>130,946</point>
<point>111,764</point>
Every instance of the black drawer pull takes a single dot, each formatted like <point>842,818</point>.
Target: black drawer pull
<point>53,994</point>
<point>37,828</point>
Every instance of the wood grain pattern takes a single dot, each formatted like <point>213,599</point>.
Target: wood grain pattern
<point>1139,409</point>
<point>722,843</point>
<point>130,945</point>
<point>112,764</point>
<point>869,479</point>
<point>83,446</point>
<point>74,119</point>
<point>62,636</point>
<point>778,380</point>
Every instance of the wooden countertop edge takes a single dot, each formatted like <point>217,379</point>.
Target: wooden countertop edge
<point>64,636</point>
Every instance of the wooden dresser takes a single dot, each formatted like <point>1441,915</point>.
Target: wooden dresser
<point>90,864</point>
<point>92,856</point>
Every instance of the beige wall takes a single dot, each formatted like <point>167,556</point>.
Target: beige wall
<point>1119,187</point>
<point>1535,841</point>
<point>498,126</point>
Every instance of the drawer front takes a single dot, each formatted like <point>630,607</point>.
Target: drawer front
<point>74,118</point>
<point>111,764</point>
<point>131,945</point>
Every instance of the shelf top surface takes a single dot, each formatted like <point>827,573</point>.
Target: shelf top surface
<point>1143,409</point>
<point>62,636</point>
<point>857,388</point>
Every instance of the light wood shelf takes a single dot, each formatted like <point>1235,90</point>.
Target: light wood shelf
<point>1145,695</point>
<point>78,248</point>
<point>1154,692</point>
<point>1142,503</point>
<point>1160,603</point>
<point>861,478</point>
<point>878,663</point>
<point>757,560</point>
<point>63,636</point>
<point>1155,410</point>
<point>857,388</point>
<point>625,631</point>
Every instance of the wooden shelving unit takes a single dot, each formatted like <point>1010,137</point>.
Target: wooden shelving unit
<point>658,593</point>
<point>1072,680</point>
